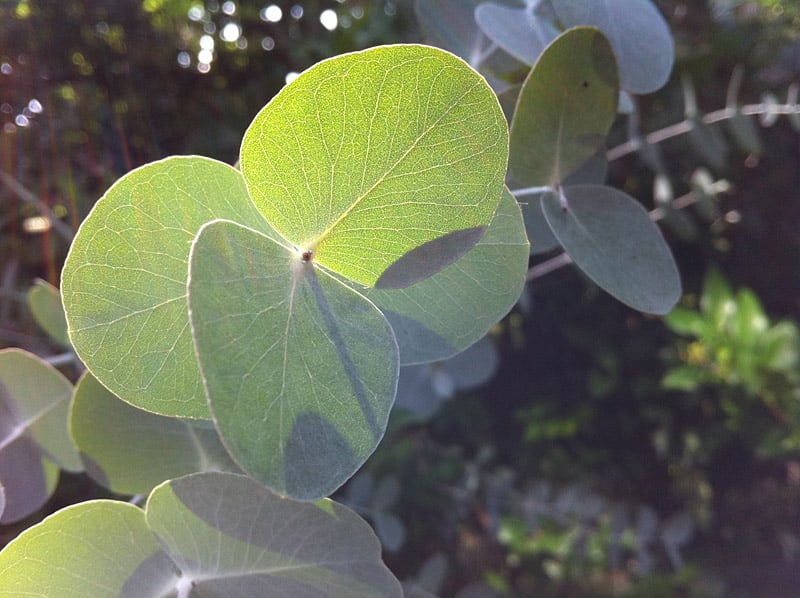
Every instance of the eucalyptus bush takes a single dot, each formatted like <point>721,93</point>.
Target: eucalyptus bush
<point>244,328</point>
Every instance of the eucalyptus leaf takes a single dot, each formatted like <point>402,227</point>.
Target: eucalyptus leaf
<point>610,236</point>
<point>522,32</point>
<point>217,535</point>
<point>36,398</point>
<point>367,156</point>
<point>444,314</point>
<point>231,537</point>
<point>95,548</point>
<point>124,280</point>
<point>709,143</point>
<point>300,370</point>
<point>450,24</point>
<point>129,450</point>
<point>565,109</point>
<point>638,33</point>
<point>44,301</point>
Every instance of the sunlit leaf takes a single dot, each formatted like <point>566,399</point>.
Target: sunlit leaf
<point>442,315</point>
<point>565,108</point>
<point>300,370</point>
<point>213,534</point>
<point>124,280</point>
<point>44,301</point>
<point>129,450</point>
<point>610,236</point>
<point>638,33</point>
<point>367,156</point>
<point>96,548</point>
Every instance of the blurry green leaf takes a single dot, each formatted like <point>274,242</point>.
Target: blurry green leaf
<point>442,315</point>
<point>709,143</point>
<point>746,134</point>
<point>751,321</point>
<point>717,299</point>
<point>36,397</point>
<point>685,321</point>
<point>124,280</point>
<point>129,451</point>
<point>781,346</point>
<point>300,370</point>
<point>611,238</point>
<point>565,108</point>
<point>390,530</point>
<point>685,378</point>
<point>638,33</point>
<point>367,156</point>
<point>230,536</point>
<point>44,301</point>
<point>96,548</point>
<point>522,32</point>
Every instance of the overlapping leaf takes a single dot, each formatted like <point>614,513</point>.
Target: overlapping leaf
<point>124,280</point>
<point>565,108</point>
<point>638,33</point>
<point>522,32</point>
<point>129,450</point>
<point>300,370</point>
<point>368,156</point>
<point>214,534</point>
<point>438,317</point>
<point>34,403</point>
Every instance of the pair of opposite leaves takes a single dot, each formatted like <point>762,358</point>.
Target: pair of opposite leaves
<point>383,167</point>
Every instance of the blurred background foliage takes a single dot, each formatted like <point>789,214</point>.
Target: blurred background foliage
<point>611,453</point>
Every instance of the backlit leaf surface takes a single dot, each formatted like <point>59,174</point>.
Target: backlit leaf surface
<point>366,156</point>
<point>444,314</point>
<point>638,33</point>
<point>565,108</point>
<point>300,370</point>
<point>129,450</point>
<point>610,236</point>
<point>216,535</point>
<point>124,280</point>
<point>231,537</point>
<point>96,548</point>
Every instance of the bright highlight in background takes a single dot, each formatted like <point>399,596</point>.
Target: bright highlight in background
<point>271,13</point>
<point>329,19</point>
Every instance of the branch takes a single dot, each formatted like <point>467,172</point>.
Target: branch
<point>28,197</point>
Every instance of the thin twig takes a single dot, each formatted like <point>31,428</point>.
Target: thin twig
<point>28,197</point>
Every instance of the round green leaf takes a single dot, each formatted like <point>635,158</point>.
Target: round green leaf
<point>44,301</point>
<point>230,536</point>
<point>446,313</point>
<point>36,397</point>
<point>367,156</point>
<point>96,548</point>
<point>565,108</point>
<point>610,236</point>
<point>300,370</point>
<point>638,33</point>
<point>129,450</point>
<point>124,280</point>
